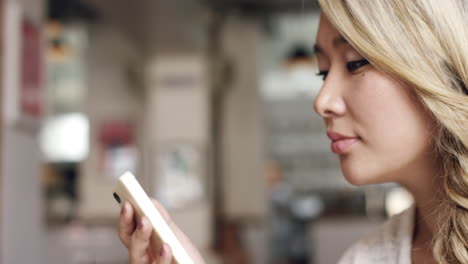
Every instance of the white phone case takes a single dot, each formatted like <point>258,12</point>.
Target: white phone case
<point>128,189</point>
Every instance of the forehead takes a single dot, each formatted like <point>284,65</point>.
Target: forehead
<point>326,28</point>
<point>327,36</point>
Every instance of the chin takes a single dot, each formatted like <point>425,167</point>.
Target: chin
<point>360,173</point>
<point>355,179</point>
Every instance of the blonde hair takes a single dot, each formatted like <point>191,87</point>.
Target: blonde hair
<point>424,44</point>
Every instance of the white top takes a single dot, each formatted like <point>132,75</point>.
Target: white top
<point>389,244</point>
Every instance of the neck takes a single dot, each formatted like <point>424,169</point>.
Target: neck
<point>427,216</point>
<point>426,188</point>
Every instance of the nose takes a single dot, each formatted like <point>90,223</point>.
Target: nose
<point>330,102</point>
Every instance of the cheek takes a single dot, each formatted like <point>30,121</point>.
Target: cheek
<point>383,111</point>
<point>394,128</point>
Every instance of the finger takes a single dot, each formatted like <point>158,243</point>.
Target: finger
<point>140,242</point>
<point>126,223</point>
<point>165,255</point>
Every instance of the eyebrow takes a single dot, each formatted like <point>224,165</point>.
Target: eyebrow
<point>336,42</point>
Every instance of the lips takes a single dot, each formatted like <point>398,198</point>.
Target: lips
<point>341,143</point>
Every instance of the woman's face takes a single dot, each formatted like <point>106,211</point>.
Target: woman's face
<point>380,132</point>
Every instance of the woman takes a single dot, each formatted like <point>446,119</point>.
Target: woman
<point>395,103</point>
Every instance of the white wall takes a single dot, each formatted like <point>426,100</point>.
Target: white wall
<point>21,223</point>
<point>175,41</point>
<point>180,115</point>
<point>109,98</point>
<point>22,227</point>
<point>243,153</point>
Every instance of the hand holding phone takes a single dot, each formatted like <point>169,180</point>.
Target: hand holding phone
<point>128,189</point>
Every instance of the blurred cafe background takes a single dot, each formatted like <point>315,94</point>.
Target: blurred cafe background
<point>208,102</point>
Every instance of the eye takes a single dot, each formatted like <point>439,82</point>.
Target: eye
<point>351,66</point>
<point>354,65</point>
<point>323,74</point>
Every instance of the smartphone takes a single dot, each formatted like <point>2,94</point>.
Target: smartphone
<point>128,189</point>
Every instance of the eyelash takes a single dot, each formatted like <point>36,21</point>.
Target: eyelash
<point>351,66</point>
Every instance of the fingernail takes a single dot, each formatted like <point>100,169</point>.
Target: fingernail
<point>141,224</point>
<point>161,251</point>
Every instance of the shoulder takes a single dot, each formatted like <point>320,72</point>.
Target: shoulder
<point>384,245</point>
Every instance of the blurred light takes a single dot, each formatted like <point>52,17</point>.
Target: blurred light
<point>297,77</point>
<point>65,138</point>
<point>397,201</point>
<point>307,207</point>
<point>297,81</point>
